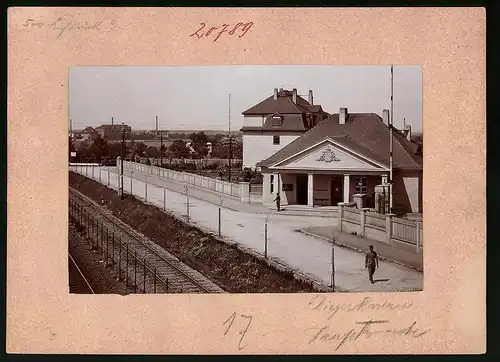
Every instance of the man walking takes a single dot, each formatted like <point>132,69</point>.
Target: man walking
<point>278,199</point>
<point>371,260</point>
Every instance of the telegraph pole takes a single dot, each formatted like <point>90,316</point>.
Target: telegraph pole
<point>156,126</point>
<point>230,140</point>
<point>391,120</point>
<point>161,149</point>
<point>121,160</point>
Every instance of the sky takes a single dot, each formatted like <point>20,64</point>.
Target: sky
<point>197,97</point>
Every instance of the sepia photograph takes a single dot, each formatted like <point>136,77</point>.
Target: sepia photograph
<point>245,179</point>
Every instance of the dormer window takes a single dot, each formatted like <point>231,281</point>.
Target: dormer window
<point>276,120</point>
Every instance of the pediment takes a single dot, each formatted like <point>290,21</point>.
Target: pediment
<point>328,156</point>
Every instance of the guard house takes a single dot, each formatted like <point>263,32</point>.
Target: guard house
<point>343,156</point>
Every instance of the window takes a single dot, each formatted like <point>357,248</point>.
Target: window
<point>272,183</point>
<point>361,185</point>
<point>276,120</point>
<point>276,140</point>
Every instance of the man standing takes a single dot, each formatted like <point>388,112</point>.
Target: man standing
<point>278,199</point>
<point>371,260</point>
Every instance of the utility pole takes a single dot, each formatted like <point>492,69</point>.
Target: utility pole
<point>112,121</point>
<point>391,120</point>
<point>161,149</point>
<point>156,126</point>
<point>230,140</point>
<point>121,160</point>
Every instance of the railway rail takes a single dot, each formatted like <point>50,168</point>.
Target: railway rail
<point>78,283</point>
<point>139,262</point>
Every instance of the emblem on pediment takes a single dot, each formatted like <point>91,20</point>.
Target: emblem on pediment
<point>328,156</point>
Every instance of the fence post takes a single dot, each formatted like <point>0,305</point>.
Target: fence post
<point>119,259</point>
<point>164,199</point>
<point>144,272</point>
<point>113,252</point>
<point>265,240</point>
<point>166,284</point>
<point>362,221</point>
<point>418,236</point>
<point>388,228</point>
<point>219,221</point>
<point>145,191</point>
<point>135,272</point>
<point>108,178</point>
<point>107,249</point>
<point>154,281</point>
<point>340,214</point>
<point>126,265</point>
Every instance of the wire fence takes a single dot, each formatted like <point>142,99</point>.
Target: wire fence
<point>115,253</point>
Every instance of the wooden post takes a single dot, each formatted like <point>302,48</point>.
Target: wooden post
<point>164,199</point>
<point>154,281</point>
<point>126,267</point>
<point>145,191</point>
<point>265,240</point>
<point>144,272</point>
<point>220,221</point>
<point>135,272</point>
<point>418,236</point>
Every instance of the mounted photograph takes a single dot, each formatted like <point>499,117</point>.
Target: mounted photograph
<point>245,179</point>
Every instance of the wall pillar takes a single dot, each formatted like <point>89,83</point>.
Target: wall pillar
<point>310,189</point>
<point>346,187</point>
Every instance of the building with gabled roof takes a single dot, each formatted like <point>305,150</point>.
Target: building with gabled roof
<point>343,156</point>
<point>275,122</point>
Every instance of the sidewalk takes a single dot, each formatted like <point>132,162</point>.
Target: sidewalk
<point>228,202</point>
<point>397,253</point>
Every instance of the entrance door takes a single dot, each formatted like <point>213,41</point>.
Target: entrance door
<point>302,189</point>
<point>336,191</point>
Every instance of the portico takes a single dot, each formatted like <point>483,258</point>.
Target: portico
<point>323,175</point>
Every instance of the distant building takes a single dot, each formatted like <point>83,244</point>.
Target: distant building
<point>275,122</point>
<point>112,132</point>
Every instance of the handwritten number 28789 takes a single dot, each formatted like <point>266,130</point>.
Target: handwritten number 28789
<point>229,322</point>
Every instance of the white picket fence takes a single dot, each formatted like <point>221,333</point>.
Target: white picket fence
<point>383,228</point>
<point>241,191</point>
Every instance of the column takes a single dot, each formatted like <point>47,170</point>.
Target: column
<point>384,179</point>
<point>346,187</point>
<point>310,189</point>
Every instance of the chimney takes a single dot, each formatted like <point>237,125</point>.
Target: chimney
<point>342,115</point>
<point>408,132</point>
<point>275,94</point>
<point>310,97</point>
<point>294,99</point>
<point>385,117</point>
<point>281,89</point>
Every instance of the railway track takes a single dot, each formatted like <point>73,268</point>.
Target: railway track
<point>140,262</point>
<point>78,284</point>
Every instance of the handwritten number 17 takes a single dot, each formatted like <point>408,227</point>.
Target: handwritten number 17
<point>230,322</point>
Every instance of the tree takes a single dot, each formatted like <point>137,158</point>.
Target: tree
<point>139,149</point>
<point>99,148</point>
<point>152,152</point>
<point>199,143</point>
<point>178,149</point>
